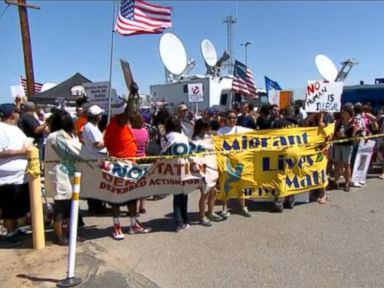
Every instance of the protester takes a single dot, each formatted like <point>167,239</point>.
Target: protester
<point>229,129</point>
<point>120,143</point>
<point>245,120</point>
<point>93,139</point>
<point>201,133</point>
<point>264,120</point>
<point>345,129</point>
<point>62,151</point>
<point>287,121</point>
<point>32,127</point>
<point>186,124</point>
<point>142,139</point>
<point>14,192</point>
<point>180,201</point>
<point>321,120</point>
<point>82,117</point>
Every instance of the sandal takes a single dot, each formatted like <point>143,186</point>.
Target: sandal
<point>322,200</point>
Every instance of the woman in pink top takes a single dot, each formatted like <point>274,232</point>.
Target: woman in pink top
<point>142,138</point>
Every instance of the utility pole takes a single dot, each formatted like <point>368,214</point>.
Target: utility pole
<point>26,39</point>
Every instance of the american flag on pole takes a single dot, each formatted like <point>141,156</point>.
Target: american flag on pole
<point>139,17</point>
<point>23,82</point>
<point>243,80</point>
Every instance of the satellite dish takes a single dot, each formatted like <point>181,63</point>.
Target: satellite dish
<point>326,68</point>
<point>208,52</point>
<point>172,53</point>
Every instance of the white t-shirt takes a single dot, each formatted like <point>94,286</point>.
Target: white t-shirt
<point>12,169</point>
<point>172,138</point>
<point>92,134</point>
<point>232,130</point>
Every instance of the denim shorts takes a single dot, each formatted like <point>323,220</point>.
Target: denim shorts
<point>342,154</point>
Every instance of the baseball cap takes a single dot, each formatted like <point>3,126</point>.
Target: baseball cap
<point>183,107</point>
<point>7,109</point>
<point>95,110</point>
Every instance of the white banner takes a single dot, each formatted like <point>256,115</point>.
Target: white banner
<point>362,161</point>
<point>195,92</point>
<point>322,96</point>
<point>121,181</point>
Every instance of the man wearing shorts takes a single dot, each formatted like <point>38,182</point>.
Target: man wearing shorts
<point>14,192</point>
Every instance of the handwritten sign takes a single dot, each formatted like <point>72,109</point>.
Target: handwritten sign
<point>98,92</point>
<point>323,96</point>
<point>195,92</point>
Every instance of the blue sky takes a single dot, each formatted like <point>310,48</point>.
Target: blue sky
<point>75,36</point>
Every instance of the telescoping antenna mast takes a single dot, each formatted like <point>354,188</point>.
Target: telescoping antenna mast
<point>230,20</point>
<point>345,69</point>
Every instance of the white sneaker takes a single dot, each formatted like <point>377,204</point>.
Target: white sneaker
<point>363,183</point>
<point>225,214</point>
<point>117,234</point>
<point>356,184</point>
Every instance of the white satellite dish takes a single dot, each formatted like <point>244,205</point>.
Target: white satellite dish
<point>208,52</point>
<point>47,86</point>
<point>172,53</point>
<point>326,68</point>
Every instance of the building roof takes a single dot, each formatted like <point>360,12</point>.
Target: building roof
<point>62,90</point>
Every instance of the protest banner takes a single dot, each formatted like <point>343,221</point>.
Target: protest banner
<point>271,163</point>
<point>323,97</point>
<point>118,181</point>
<point>362,160</point>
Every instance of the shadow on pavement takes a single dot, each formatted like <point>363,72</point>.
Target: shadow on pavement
<point>37,279</point>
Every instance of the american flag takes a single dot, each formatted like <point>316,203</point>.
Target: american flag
<point>23,82</point>
<point>243,80</point>
<point>139,17</point>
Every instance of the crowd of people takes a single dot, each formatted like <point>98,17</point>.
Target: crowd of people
<point>135,134</point>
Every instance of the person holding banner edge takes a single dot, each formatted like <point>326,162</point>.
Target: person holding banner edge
<point>232,128</point>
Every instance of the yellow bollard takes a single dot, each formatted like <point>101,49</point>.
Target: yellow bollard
<point>38,234</point>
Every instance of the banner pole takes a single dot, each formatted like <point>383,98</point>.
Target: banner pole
<point>71,280</point>
<point>38,234</point>
<point>111,63</point>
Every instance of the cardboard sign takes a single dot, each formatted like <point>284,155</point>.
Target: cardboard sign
<point>323,97</point>
<point>195,92</point>
<point>362,161</point>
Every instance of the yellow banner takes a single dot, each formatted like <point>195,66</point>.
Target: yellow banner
<point>270,163</point>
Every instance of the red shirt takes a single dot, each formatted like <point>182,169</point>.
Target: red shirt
<point>119,140</point>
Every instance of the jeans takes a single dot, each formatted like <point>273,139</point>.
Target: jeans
<point>180,203</point>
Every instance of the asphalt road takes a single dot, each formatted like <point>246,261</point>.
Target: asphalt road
<point>339,244</point>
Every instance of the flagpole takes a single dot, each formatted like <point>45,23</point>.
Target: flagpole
<point>111,63</point>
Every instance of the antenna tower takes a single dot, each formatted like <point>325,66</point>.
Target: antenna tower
<point>230,20</point>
